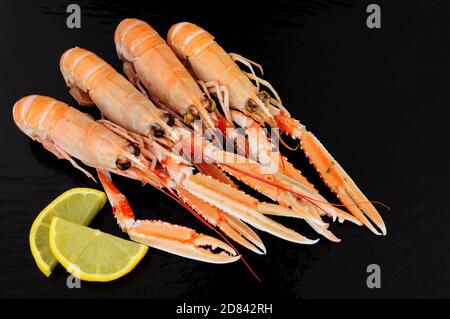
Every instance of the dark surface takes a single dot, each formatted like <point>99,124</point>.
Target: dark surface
<point>377,99</point>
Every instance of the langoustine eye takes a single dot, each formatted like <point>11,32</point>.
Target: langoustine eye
<point>251,105</point>
<point>264,97</point>
<point>123,163</point>
<point>157,130</point>
<point>168,118</point>
<point>134,149</point>
<point>192,114</point>
<point>210,105</point>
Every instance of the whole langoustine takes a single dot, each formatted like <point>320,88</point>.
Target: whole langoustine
<point>214,66</point>
<point>70,134</point>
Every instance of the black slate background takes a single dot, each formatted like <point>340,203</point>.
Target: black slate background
<point>377,99</point>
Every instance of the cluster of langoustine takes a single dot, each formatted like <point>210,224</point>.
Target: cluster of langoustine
<point>164,106</point>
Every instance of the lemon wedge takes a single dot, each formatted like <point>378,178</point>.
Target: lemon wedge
<point>90,254</point>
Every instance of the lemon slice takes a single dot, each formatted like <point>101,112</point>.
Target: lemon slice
<point>79,205</point>
<point>90,254</point>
